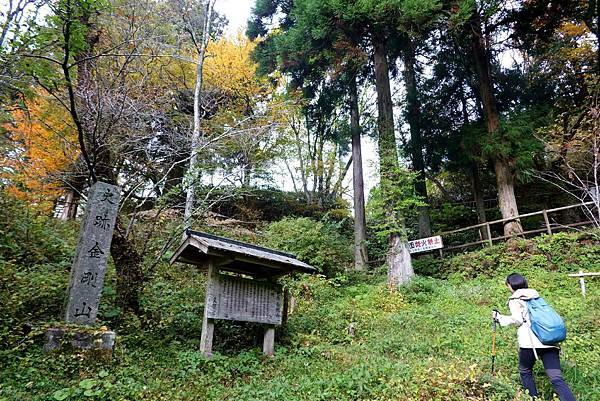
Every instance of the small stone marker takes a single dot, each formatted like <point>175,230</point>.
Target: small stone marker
<point>93,248</point>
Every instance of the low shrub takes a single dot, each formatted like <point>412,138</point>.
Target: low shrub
<point>28,237</point>
<point>562,252</point>
<point>318,243</point>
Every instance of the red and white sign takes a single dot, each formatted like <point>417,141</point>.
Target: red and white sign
<point>425,244</point>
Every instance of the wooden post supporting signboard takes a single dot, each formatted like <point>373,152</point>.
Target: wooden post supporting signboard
<point>269,341</point>
<point>241,283</point>
<point>208,324</point>
<point>286,306</point>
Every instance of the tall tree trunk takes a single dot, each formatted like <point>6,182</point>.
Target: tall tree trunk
<point>473,173</point>
<point>506,195</point>
<point>247,173</point>
<point>128,265</point>
<point>399,262</point>
<point>303,165</point>
<point>331,162</point>
<point>69,209</point>
<point>193,173</point>
<point>503,167</point>
<point>128,261</point>
<point>416,139</point>
<point>478,197</point>
<point>360,224</point>
<point>320,169</point>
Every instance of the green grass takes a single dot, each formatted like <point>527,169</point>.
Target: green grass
<point>431,340</point>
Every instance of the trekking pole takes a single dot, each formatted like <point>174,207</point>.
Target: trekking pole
<point>494,322</point>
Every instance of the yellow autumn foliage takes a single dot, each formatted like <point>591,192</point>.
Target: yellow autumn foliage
<point>230,68</point>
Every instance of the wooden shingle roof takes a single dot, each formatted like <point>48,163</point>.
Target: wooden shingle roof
<point>237,256</point>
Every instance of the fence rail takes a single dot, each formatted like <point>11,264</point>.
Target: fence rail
<point>488,239</point>
<point>582,276</point>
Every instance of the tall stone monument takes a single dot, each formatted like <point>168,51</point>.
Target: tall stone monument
<point>93,248</point>
<point>87,274</point>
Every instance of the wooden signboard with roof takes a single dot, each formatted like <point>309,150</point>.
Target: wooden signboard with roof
<point>241,283</point>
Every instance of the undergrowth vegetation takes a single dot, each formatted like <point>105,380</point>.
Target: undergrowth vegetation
<point>319,243</point>
<point>347,338</point>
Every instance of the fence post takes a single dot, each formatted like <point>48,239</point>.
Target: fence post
<point>489,233</point>
<point>582,283</point>
<point>548,228</point>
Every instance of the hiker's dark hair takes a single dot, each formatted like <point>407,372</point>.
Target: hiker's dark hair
<point>516,281</point>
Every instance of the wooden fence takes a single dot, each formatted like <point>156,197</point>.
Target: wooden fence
<point>485,232</point>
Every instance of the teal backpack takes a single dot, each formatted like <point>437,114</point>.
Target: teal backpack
<point>546,324</point>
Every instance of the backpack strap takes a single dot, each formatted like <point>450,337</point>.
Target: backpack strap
<point>524,312</point>
<point>530,331</point>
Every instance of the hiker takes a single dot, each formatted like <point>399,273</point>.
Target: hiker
<point>530,347</point>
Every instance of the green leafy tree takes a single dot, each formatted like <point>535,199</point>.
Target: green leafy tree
<point>345,29</point>
<point>326,62</point>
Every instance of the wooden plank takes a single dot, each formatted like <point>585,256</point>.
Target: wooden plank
<point>541,212</point>
<point>558,209</point>
<point>264,263</point>
<point>516,218</point>
<point>239,299</point>
<point>211,237</point>
<point>582,223</point>
<point>489,234</point>
<point>198,243</point>
<point>465,245</point>
<point>547,221</point>
<point>269,341</point>
<point>179,251</point>
<point>519,217</point>
<point>504,237</point>
<point>581,274</point>
<point>582,283</point>
<point>286,306</point>
<point>536,231</point>
<point>214,246</point>
<point>208,325</point>
<point>516,235</point>
<point>197,248</point>
<point>206,338</point>
<point>462,229</point>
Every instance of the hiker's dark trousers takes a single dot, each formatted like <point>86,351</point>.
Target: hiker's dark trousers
<point>550,359</point>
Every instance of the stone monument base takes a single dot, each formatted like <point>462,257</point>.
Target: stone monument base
<point>96,341</point>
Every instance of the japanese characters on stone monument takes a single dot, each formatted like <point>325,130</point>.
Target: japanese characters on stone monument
<point>93,248</point>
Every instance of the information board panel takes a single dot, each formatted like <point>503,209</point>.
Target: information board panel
<point>234,298</point>
<point>425,244</point>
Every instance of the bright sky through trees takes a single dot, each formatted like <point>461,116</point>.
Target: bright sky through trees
<point>238,12</point>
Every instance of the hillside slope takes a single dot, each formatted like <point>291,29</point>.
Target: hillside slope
<point>429,341</point>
